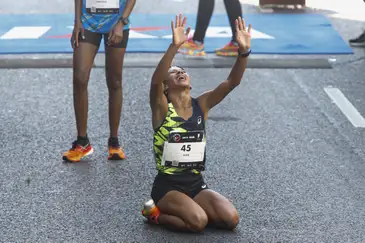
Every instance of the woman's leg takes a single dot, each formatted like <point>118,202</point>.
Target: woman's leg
<point>180,212</point>
<point>234,10</point>
<point>205,12</point>
<point>195,46</point>
<point>220,211</point>
<point>83,59</point>
<point>114,60</point>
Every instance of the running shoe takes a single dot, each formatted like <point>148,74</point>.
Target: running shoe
<point>77,152</point>
<point>115,150</point>
<point>359,41</point>
<point>192,48</point>
<point>230,49</point>
<point>151,217</point>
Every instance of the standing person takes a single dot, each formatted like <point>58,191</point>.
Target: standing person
<point>93,21</point>
<point>195,45</point>
<point>183,200</point>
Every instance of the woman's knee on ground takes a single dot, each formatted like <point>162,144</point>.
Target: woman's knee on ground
<point>229,219</point>
<point>196,221</point>
<point>179,205</point>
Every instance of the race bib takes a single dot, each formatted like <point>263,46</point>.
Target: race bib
<point>184,150</point>
<point>102,6</point>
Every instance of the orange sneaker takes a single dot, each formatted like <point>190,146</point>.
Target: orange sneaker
<point>192,48</point>
<point>152,215</point>
<point>77,152</point>
<point>115,151</point>
<point>230,49</point>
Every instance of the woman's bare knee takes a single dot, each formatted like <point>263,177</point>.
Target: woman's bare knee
<point>114,68</point>
<point>82,63</point>
<point>178,204</point>
<point>81,79</point>
<point>197,221</point>
<point>220,211</point>
<point>231,220</point>
<point>114,82</point>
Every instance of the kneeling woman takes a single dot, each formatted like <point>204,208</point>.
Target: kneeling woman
<point>183,200</point>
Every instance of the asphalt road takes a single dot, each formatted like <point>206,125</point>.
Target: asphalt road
<point>278,147</point>
<point>285,155</point>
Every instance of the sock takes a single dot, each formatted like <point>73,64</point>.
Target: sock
<point>83,141</point>
<point>113,141</point>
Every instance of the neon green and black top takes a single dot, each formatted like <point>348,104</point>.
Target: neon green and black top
<point>175,129</point>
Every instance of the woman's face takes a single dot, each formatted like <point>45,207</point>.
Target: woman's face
<point>177,78</point>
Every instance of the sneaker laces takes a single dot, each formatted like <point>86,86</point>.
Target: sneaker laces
<point>74,145</point>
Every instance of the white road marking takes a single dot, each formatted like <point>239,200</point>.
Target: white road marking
<point>136,34</point>
<point>345,106</point>
<point>25,32</point>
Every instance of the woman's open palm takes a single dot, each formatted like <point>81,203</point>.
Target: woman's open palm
<point>178,30</point>
<point>243,37</point>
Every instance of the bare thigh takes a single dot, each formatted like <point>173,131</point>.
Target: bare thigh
<point>83,59</point>
<point>220,211</point>
<point>114,60</point>
<point>178,204</point>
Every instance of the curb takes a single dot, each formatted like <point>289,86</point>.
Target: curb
<point>151,61</point>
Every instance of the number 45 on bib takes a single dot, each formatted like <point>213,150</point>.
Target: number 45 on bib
<point>184,150</point>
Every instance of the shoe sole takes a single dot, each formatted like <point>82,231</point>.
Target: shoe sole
<point>195,53</point>
<point>226,54</point>
<point>357,44</point>
<point>75,161</point>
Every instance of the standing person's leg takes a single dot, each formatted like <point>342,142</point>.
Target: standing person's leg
<point>205,12</point>
<point>114,69</point>
<point>234,10</point>
<point>358,41</point>
<point>83,58</point>
<point>195,45</point>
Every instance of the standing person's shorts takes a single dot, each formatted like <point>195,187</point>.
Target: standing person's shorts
<point>187,183</point>
<point>95,38</point>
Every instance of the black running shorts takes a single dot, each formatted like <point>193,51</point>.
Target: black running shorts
<point>187,183</point>
<point>95,38</point>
